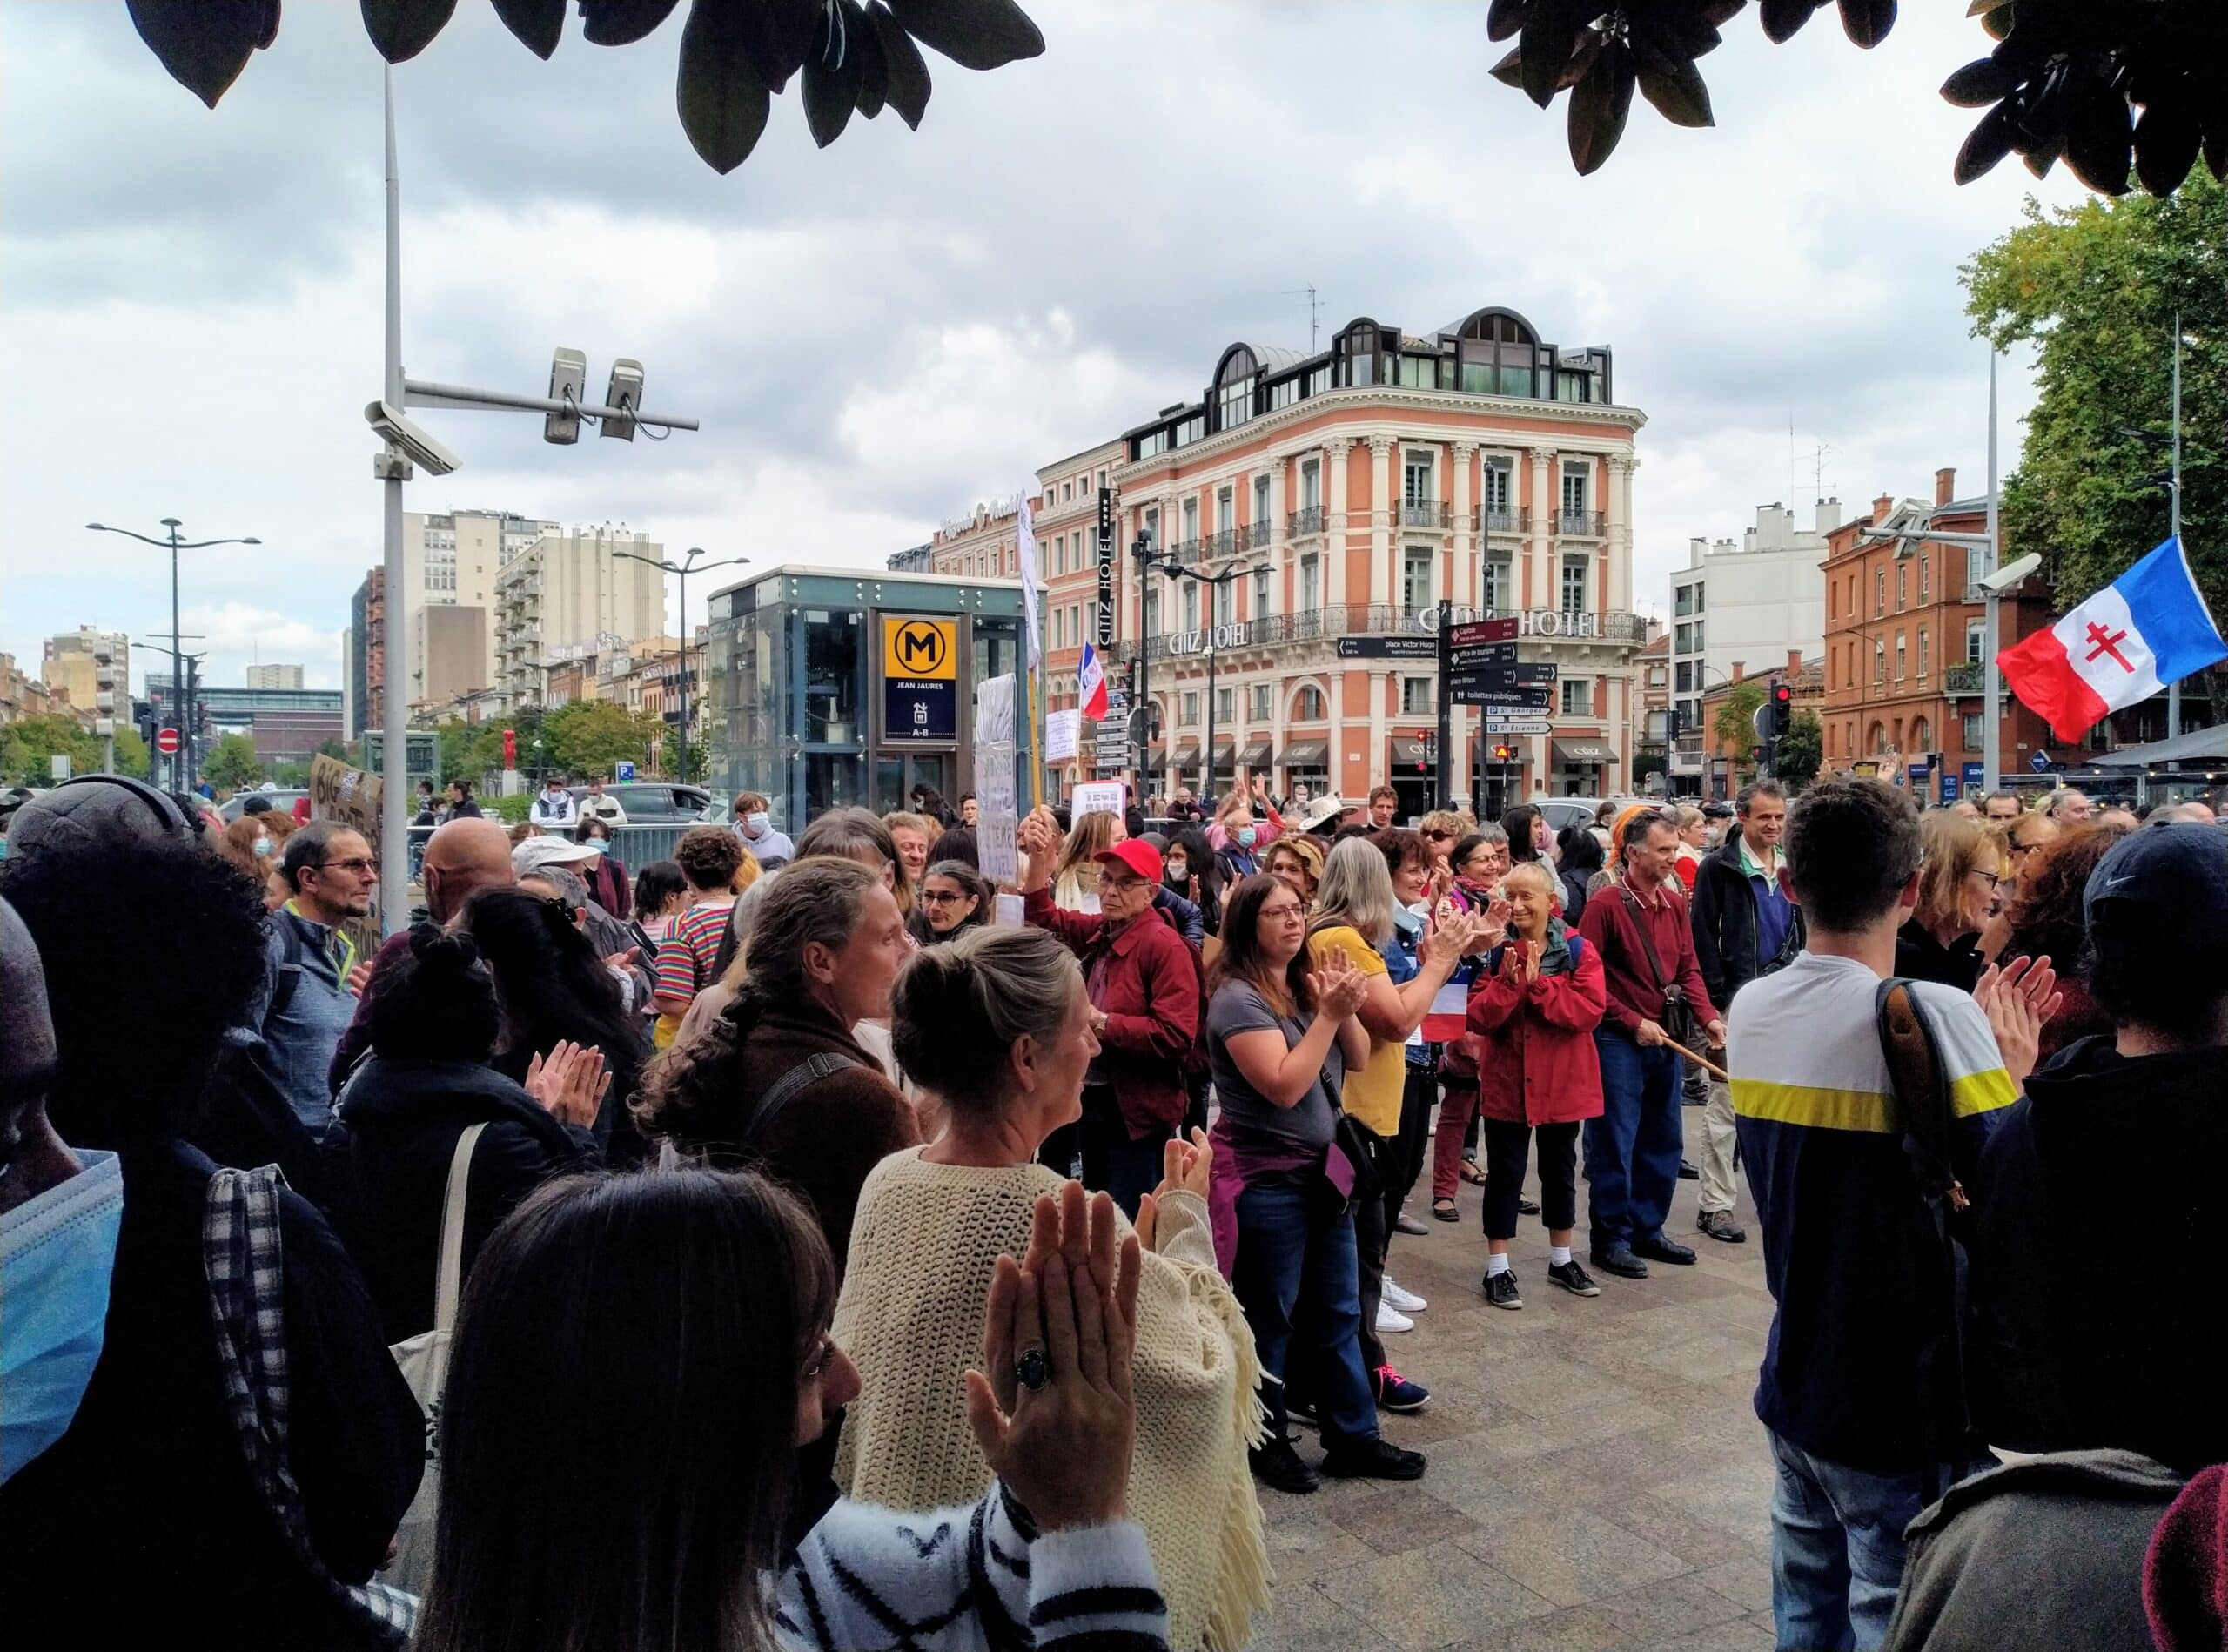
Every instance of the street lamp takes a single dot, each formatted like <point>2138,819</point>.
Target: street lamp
<point>174,545</point>
<point>1141,713</point>
<point>1175,571</point>
<point>688,565</point>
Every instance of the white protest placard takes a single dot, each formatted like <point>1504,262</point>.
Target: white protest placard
<point>1096,797</point>
<point>998,816</point>
<point>1063,735</point>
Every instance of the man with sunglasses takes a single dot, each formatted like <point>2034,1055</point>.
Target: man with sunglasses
<point>311,977</point>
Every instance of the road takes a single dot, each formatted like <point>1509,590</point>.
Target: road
<point>1597,1477</point>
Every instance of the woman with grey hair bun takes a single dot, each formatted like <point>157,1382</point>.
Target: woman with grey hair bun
<point>995,1028</point>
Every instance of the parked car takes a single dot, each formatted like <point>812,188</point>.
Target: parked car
<point>283,801</point>
<point>654,803</point>
<point>1560,812</point>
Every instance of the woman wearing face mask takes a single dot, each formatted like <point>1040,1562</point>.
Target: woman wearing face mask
<point>1188,870</point>
<point>251,842</point>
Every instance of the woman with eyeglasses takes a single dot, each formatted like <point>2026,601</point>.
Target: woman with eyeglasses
<point>1963,863</point>
<point>954,898</point>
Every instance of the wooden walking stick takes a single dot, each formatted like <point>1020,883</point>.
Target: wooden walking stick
<point>1706,1066</point>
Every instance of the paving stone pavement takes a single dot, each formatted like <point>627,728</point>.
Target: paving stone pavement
<point>1598,1479</point>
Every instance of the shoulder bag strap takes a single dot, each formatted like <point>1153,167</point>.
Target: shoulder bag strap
<point>786,1089</point>
<point>289,970</point>
<point>1640,927</point>
<point>448,1284</point>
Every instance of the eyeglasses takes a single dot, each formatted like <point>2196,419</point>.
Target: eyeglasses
<point>355,863</point>
<point>1994,878</point>
<point>939,897</point>
<point>1293,909</point>
<point>1440,837</point>
<point>1109,878</point>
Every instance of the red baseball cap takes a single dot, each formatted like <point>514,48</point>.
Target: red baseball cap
<point>1135,854</point>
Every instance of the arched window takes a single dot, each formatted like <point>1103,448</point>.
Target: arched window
<point>1875,742</point>
<point>1307,705</point>
<point>1234,385</point>
<point>1498,354</point>
<point>1360,344</point>
<point>1921,734</point>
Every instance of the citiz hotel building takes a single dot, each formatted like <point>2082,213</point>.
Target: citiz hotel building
<point>1355,489</point>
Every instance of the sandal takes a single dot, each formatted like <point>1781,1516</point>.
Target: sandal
<point>1472,1174</point>
<point>1444,1209</point>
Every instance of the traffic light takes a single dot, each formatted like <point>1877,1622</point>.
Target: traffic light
<point>1756,754</point>
<point>1501,752</point>
<point>1782,704</point>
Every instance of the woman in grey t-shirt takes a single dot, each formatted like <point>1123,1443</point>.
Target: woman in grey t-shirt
<point>1275,1028</point>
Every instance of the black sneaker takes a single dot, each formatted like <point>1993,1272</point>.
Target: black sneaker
<point>1278,1466</point>
<point>1720,1225</point>
<point>1501,1289</point>
<point>1574,1278</point>
<point>1618,1259</point>
<point>1687,1172</point>
<point>1372,1459</point>
<point>1664,1249</point>
<point>1526,1205</point>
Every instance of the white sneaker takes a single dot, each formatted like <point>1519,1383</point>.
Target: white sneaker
<point>1390,1319</point>
<point>1407,1301</point>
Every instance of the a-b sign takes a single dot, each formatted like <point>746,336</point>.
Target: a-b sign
<point>919,650</point>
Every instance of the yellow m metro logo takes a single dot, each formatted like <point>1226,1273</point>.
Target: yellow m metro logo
<point>920,649</point>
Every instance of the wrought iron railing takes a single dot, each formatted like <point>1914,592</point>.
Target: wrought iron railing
<point>1381,619</point>
<point>1967,676</point>
<point>1419,513</point>
<point>1502,519</point>
<point>1579,524</point>
<point>1308,518</point>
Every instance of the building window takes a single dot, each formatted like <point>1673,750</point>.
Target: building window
<point>1226,510</point>
<point>1224,599</point>
<point>1903,585</point>
<point>1311,485</point>
<point>1921,734</point>
<point>1190,707</point>
<point>1574,386</point>
<point>1578,696</point>
<point>1416,481</point>
<point>1924,583</point>
<point>1494,586</point>
<point>1415,577</point>
<point>1190,605</point>
<point>1575,478</point>
<point>1307,705</point>
<point>1226,706</point>
<point>1283,393</point>
<point>1260,593</point>
<point>1418,696</point>
<point>1311,584</point>
<point>1497,494</point>
<point>1684,682</point>
<point>1899,656</point>
<point>1688,601</point>
<point>1420,373</point>
<point>1879,591</point>
<point>1261,696</point>
<point>1879,659</point>
<point>1976,640</point>
<point>1923,654</point>
<point>1260,502</point>
<point>1972,730</point>
<point>1574,585</point>
<point>1152,527</point>
<point>1190,522</point>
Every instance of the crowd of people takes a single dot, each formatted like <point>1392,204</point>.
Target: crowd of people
<point>812,1240</point>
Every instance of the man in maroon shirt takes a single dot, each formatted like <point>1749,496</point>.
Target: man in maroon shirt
<point>1632,1149</point>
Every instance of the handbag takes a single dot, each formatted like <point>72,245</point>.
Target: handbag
<point>1678,1023</point>
<point>1350,1163</point>
<point>425,1362</point>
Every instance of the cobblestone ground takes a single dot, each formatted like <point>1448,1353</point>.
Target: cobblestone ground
<point>1597,1477</point>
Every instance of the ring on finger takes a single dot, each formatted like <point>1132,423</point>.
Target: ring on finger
<point>1032,1369</point>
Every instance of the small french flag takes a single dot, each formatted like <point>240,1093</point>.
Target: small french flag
<point>2147,629</point>
<point>1090,682</point>
<point>1448,1015</point>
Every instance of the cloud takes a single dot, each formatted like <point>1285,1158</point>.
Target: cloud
<point>876,336</point>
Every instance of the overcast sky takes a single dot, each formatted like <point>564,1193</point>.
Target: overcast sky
<point>877,335</point>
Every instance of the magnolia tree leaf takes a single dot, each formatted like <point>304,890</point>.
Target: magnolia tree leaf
<point>2166,141</point>
<point>1867,22</point>
<point>1598,104</point>
<point>907,75</point>
<point>974,33</point>
<point>1987,143</point>
<point>777,36</point>
<point>831,79</point>
<point>538,24</point>
<point>874,65</point>
<point>402,29</point>
<point>1782,17</point>
<point>1677,91</point>
<point>723,103</point>
<point>622,23</point>
<point>205,43</point>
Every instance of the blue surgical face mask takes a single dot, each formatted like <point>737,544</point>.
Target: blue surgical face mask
<point>263,846</point>
<point>57,1252</point>
<point>1245,837</point>
<point>757,821</point>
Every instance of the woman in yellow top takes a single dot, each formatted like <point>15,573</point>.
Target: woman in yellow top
<point>1355,919</point>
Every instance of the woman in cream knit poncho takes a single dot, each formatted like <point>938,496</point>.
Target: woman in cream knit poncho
<point>996,1028</point>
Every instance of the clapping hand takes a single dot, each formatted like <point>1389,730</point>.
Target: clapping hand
<point>2017,997</point>
<point>1338,985</point>
<point>1186,1167</point>
<point>570,1083</point>
<point>1052,1410</point>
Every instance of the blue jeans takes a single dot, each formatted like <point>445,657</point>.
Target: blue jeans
<point>1296,1278</point>
<point>1837,1546</point>
<point>1632,1149</point>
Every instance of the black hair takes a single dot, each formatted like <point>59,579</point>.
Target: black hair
<point>969,878</point>
<point>257,804</point>
<point>955,843</point>
<point>1580,848</point>
<point>435,1002</point>
<point>190,926</point>
<point>657,884</point>
<point>1517,822</point>
<point>694,1300</point>
<point>549,983</point>
<point>307,848</point>
<point>1852,845</point>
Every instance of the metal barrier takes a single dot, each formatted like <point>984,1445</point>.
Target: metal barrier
<point>636,846</point>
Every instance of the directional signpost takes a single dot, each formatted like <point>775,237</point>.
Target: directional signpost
<point>1478,667</point>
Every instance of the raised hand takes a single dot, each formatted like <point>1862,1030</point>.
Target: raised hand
<point>2013,1016</point>
<point>570,1083</point>
<point>1339,986</point>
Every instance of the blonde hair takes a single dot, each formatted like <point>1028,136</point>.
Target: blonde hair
<point>1684,816</point>
<point>1357,890</point>
<point>898,820</point>
<point>1091,835</point>
<point>1951,847</point>
<point>1448,820</point>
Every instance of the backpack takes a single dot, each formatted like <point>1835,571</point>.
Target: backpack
<point>290,968</point>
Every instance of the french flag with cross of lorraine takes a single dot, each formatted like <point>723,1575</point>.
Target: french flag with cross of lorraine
<point>2147,629</point>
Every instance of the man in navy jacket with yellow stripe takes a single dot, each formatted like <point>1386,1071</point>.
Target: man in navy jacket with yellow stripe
<point>1860,1386</point>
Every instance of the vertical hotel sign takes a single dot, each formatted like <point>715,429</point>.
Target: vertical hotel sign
<point>920,679</point>
<point>1106,568</point>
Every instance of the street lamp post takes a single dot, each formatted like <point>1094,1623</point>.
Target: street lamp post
<point>174,545</point>
<point>688,565</point>
<point>1141,713</point>
<point>1176,570</point>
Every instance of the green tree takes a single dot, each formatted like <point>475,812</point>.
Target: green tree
<point>231,764</point>
<point>1799,752</point>
<point>1733,724</point>
<point>470,750</point>
<point>34,742</point>
<point>669,757</point>
<point>2095,289</point>
<point>588,736</point>
<point>131,756</point>
<point>335,748</point>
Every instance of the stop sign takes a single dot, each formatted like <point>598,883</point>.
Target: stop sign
<point>167,742</point>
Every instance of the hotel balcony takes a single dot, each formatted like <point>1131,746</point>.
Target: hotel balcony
<point>1503,520</point>
<point>1580,523</point>
<point>1307,520</point>
<point>1418,513</point>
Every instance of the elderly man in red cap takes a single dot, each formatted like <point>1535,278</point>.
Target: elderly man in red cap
<point>1145,985</point>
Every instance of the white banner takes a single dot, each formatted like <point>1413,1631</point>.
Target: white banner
<point>998,814</point>
<point>1096,797</point>
<point>1063,735</point>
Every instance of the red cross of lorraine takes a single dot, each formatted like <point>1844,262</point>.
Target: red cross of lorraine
<point>2108,643</point>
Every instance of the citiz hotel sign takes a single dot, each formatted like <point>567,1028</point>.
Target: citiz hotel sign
<point>1422,623</point>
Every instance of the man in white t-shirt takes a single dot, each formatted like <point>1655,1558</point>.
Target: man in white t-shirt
<point>1860,1388</point>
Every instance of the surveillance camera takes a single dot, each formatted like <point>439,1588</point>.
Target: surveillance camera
<point>2009,575</point>
<point>416,446</point>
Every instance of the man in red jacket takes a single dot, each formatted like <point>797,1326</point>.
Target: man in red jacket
<point>1639,925</point>
<point>1144,982</point>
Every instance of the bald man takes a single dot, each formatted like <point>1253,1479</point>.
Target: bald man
<point>463,856</point>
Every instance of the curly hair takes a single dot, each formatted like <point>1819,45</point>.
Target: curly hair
<point>188,926</point>
<point>2046,913</point>
<point>709,856</point>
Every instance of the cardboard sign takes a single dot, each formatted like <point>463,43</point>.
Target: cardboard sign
<point>1096,797</point>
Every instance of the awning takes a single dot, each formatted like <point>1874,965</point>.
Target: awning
<point>1583,751</point>
<point>1223,749</point>
<point>1187,755</point>
<point>1411,751</point>
<point>2200,745</point>
<point>1306,754</point>
<point>1256,754</point>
